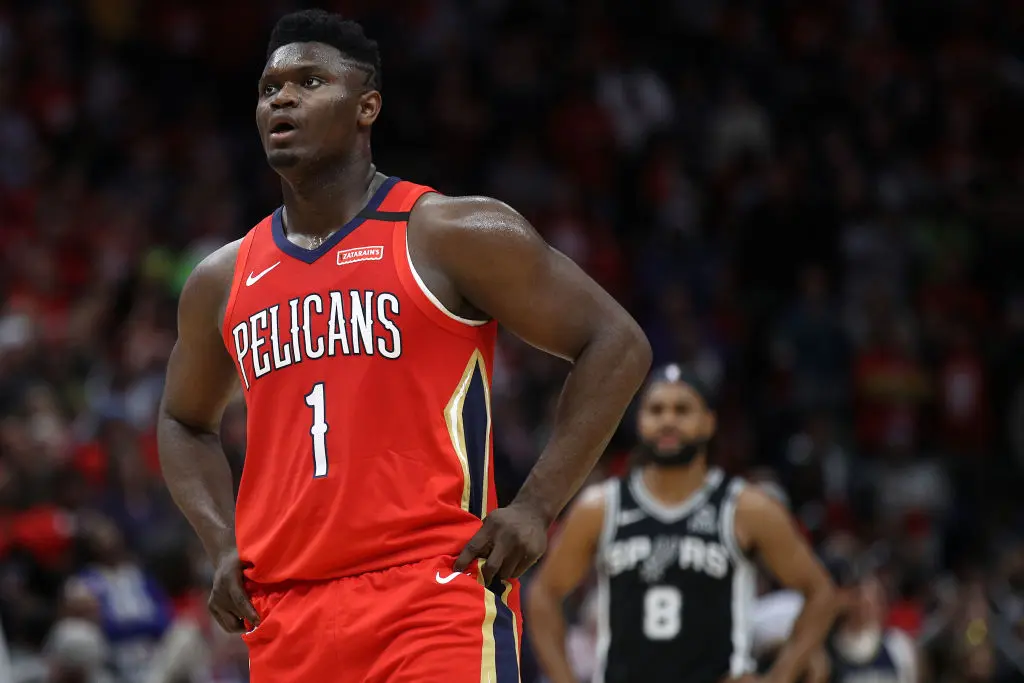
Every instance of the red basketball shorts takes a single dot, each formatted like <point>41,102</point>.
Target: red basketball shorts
<point>417,623</point>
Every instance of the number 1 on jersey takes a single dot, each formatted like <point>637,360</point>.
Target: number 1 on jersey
<point>315,400</point>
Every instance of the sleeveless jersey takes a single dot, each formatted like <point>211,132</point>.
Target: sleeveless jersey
<point>674,589</point>
<point>369,421</point>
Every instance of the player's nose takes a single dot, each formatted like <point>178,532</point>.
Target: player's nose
<point>287,96</point>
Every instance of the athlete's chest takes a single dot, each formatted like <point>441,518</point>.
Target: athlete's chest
<point>652,552</point>
<point>349,303</point>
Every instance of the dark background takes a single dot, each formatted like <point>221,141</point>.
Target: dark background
<point>816,204</point>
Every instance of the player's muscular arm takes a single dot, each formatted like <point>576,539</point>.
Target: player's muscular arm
<point>765,529</point>
<point>562,570</point>
<point>200,381</point>
<point>495,262</point>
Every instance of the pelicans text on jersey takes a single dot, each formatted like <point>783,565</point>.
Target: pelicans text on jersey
<point>369,421</point>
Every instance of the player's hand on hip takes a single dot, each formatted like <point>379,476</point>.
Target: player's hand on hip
<point>510,540</point>
<point>229,603</point>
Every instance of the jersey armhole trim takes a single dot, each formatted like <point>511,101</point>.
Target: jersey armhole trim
<point>727,521</point>
<point>424,298</point>
<point>236,283</point>
<point>611,513</point>
<point>430,295</point>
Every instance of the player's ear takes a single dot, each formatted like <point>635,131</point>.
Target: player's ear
<point>369,107</point>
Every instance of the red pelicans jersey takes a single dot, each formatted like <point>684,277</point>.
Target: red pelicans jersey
<point>369,425</point>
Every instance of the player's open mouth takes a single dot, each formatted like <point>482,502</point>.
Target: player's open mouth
<point>282,130</point>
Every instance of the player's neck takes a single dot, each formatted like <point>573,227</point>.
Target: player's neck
<point>671,485</point>
<point>320,202</point>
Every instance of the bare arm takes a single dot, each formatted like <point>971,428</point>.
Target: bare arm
<point>501,266</point>
<point>562,570</point>
<point>498,264</point>
<point>766,528</point>
<point>200,381</point>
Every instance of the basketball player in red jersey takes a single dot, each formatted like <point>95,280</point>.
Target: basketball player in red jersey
<point>359,321</point>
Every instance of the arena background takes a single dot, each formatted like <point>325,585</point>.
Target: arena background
<point>819,205</point>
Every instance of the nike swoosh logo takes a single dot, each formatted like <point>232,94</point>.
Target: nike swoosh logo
<point>446,579</point>
<point>627,517</point>
<point>253,279</point>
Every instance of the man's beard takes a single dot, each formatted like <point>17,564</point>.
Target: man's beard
<point>684,454</point>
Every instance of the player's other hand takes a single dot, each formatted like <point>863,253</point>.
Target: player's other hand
<point>229,603</point>
<point>510,540</point>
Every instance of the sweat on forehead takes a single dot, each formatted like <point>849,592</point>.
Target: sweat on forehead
<point>298,54</point>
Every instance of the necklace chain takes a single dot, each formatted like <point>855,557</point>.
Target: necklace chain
<point>317,241</point>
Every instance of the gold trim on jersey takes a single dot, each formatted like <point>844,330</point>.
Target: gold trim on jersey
<point>455,421</point>
<point>486,474</point>
<point>515,625</point>
<point>489,652</point>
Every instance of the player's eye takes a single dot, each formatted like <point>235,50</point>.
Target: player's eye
<point>268,89</point>
<point>312,82</point>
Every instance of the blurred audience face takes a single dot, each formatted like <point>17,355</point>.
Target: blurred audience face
<point>868,605</point>
<point>80,602</point>
<point>860,634</point>
<point>105,542</point>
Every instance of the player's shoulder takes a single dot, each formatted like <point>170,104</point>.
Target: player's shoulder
<point>445,209</point>
<point>208,285</point>
<point>443,217</point>
<point>595,496</point>
<point>585,517</point>
<point>217,269</point>
<point>757,512</point>
<point>754,499</point>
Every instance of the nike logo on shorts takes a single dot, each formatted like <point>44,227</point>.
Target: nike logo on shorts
<point>447,579</point>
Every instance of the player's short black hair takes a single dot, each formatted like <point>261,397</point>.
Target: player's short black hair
<point>318,26</point>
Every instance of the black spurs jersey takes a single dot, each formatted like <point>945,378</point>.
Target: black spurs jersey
<point>674,590</point>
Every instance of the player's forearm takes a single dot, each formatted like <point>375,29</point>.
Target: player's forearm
<point>597,392</point>
<point>547,633</point>
<point>808,633</point>
<point>199,479</point>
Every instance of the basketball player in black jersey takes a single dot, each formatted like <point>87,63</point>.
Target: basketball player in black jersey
<point>674,544</point>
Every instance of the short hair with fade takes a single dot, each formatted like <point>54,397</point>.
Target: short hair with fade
<point>318,26</point>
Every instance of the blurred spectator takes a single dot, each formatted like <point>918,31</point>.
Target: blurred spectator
<point>134,612</point>
<point>817,205</point>
<point>862,647</point>
<point>811,346</point>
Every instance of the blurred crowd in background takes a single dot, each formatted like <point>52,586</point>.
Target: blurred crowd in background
<point>819,205</point>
